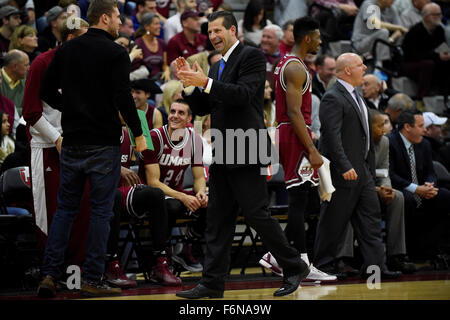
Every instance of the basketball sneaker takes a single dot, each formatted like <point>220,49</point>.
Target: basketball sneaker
<point>317,275</point>
<point>269,262</point>
<point>187,260</point>
<point>116,277</point>
<point>162,274</point>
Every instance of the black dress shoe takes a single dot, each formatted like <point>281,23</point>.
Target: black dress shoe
<point>345,269</point>
<point>291,283</point>
<point>200,291</point>
<point>398,263</point>
<point>387,274</point>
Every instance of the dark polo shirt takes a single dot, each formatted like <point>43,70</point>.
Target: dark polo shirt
<point>179,46</point>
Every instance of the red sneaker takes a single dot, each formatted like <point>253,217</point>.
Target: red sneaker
<point>115,276</point>
<point>162,274</point>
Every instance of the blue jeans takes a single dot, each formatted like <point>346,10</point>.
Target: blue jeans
<point>101,165</point>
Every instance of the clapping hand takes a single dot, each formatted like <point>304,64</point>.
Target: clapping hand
<point>190,77</point>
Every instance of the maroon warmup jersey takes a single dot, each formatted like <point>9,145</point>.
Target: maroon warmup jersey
<point>173,158</point>
<point>292,152</point>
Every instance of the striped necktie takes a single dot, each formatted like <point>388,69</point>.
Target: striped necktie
<point>412,164</point>
<point>221,66</point>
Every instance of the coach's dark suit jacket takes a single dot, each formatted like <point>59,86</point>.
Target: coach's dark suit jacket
<point>399,167</point>
<point>343,142</point>
<point>342,135</point>
<point>237,100</point>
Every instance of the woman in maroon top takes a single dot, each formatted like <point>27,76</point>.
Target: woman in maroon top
<point>154,49</point>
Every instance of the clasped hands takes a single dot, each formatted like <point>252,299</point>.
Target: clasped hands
<point>190,76</point>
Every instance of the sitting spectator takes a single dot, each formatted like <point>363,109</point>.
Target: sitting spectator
<point>171,92</point>
<point>374,92</point>
<point>422,63</point>
<point>143,7</point>
<point>10,20</point>
<point>270,47</point>
<point>50,37</point>
<point>413,15</point>
<point>25,38</point>
<point>14,72</point>
<point>269,106</point>
<point>10,109</point>
<point>141,91</point>
<point>7,143</point>
<point>336,18</point>
<point>368,28</point>
<point>253,23</point>
<point>397,104</point>
<point>411,171</point>
<point>288,38</point>
<point>433,134</point>
<point>285,10</point>
<point>173,24</point>
<point>127,26</point>
<point>175,148</point>
<point>325,74</point>
<point>387,123</point>
<point>135,53</point>
<point>189,41</point>
<point>154,50</point>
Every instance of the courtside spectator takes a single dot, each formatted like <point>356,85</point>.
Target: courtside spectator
<point>10,20</point>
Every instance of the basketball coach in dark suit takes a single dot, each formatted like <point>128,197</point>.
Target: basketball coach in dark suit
<point>346,141</point>
<point>411,171</point>
<point>234,95</point>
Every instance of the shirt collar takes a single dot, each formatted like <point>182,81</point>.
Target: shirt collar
<point>228,54</point>
<point>405,142</point>
<point>9,80</point>
<point>347,86</point>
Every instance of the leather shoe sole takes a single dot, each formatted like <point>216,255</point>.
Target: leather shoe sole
<point>200,291</point>
<point>291,283</point>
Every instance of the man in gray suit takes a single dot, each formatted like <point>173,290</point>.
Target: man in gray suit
<point>391,201</point>
<point>346,141</point>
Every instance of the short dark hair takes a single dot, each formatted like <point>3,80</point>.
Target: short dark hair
<point>182,101</point>
<point>228,19</point>
<point>99,7</point>
<point>212,54</point>
<point>407,117</point>
<point>320,59</point>
<point>287,24</point>
<point>303,27</point>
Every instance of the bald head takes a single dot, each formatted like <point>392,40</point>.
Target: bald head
<point>432,15</point>
<point>16,64</point>
<point>350,68</point>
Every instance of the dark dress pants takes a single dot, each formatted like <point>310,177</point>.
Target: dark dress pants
<point>245,188</point>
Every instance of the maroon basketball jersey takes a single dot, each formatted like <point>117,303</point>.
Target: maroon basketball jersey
<point>126,148</point>
<point>280,91</point>
<point>149,115</point>
<point>173,159</point>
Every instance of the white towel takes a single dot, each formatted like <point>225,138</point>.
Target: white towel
<point>326,187</point>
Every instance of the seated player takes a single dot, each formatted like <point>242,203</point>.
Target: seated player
<point>140,202</point>
<point>177,147</point>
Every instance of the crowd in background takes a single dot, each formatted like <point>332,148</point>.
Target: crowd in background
<point>410,38</point>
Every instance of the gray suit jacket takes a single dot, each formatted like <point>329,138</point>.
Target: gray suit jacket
<point>342,136</point>
<point>382,161</point>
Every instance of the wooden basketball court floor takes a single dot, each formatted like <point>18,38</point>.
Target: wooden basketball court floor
<point>421,286</point>
<point>254,285</point>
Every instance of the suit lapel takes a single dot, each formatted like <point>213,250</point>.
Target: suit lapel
<point>352,101</point>
<point>402,147</point>
<point>231,62</point>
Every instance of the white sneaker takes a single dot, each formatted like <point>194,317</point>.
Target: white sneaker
<point>317,275</point>
<point>269,262</point>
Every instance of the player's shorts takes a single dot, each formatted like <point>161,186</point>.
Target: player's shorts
<point>292,153</point>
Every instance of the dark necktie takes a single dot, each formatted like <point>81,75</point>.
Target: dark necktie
<point>363,111</point>
<point>412,165</point>
<point>221,66</point>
